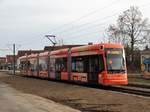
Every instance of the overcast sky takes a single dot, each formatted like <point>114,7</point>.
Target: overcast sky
<point>25,22</point>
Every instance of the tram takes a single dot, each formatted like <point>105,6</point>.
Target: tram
<point>102,64</point>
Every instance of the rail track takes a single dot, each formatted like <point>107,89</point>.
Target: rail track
<point>140,90</point>
<point>130,90</point>
<point>139,85</point>
<point>135,89</point>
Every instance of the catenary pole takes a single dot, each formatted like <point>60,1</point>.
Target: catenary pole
<point>14,58</point>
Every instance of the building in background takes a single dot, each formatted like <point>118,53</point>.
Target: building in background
<point>10,61</point>
<point>2,63</point>
<point>28,52</point>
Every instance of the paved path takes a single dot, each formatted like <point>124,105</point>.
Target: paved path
<point>12,100</point>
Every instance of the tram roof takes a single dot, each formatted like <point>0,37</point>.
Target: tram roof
<point>22,57</point>
<point>44,54</point>
<point>95,47</point>
<point>60,51</point>
<point>76,49</point>
<point>32,55</point>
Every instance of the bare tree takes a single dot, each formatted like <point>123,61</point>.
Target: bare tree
<point>116,35</point>
<point>130,29</point>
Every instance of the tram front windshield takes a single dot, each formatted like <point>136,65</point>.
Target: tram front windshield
<point>115,60</point>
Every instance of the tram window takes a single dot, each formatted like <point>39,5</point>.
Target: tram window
<point>64,65</point>
<point>61,64</point>
<point>148,67</point>
<point>25,65</point>
<point>79,64</point>
<point>86,63</point>
<point>43,64</point>
<point>101,63</point>
<point>57,65</point>
<point>22,65</point>
<point>73,66</point>
<point>33,64</point>
<point>76,63</point>
<point>28,64</point>
<point>52,64</point>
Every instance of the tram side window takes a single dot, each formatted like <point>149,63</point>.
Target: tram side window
<point>22,65</point>
<point>73,65</point>
<point>52,64</point>
<point>43,64</point>
<point>101,63</point>
<point>148,67</point>
<point>79,64</point>
<point>33,65</point>
<point>64,64</point>
<point>28,64</point>
<point>61,64</point>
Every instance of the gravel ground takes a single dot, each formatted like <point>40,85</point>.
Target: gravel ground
<point>79,97</point>
<point>138,79</point>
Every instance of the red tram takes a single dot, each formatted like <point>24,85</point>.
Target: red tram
<point>99,64</point>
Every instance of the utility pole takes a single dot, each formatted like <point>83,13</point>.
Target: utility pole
<point>13,47</point>
<point>14,58</point>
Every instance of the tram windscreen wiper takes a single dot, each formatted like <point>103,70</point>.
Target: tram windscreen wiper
<point>121,70</point>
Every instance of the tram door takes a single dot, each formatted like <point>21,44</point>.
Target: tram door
<point>93,69</point>
<point>52,68</point>
<point>58,68</point>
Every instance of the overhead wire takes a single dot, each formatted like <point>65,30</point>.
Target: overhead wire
<point>64,32</point>
<point>141,6</point>
<point>90,24</point>
<point>84,16</point>
<point>86,33</point>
